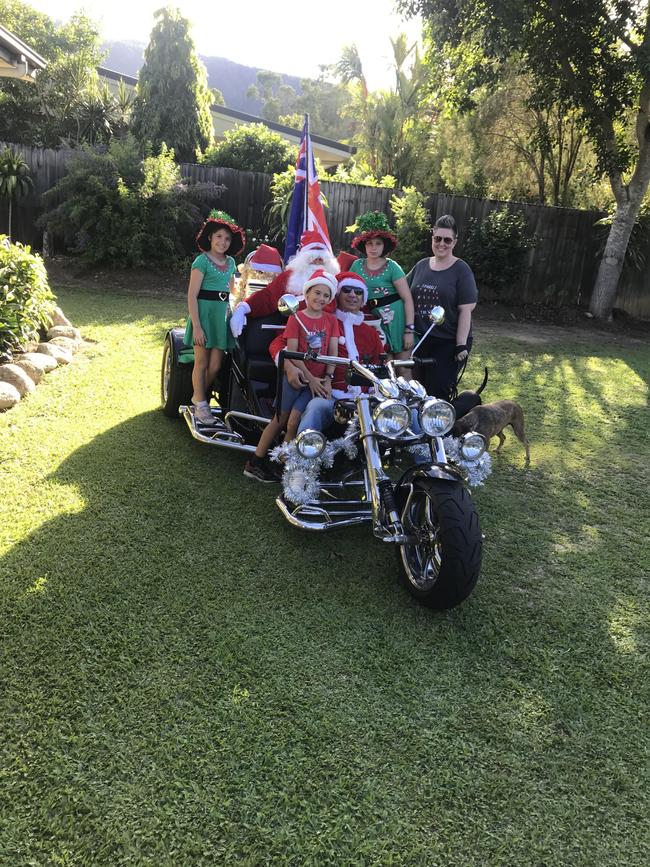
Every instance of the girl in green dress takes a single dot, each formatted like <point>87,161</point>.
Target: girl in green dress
<point>389,295</point>
<point>208,297</point>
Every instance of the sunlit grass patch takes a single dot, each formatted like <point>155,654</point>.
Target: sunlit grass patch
<point>187,680</point>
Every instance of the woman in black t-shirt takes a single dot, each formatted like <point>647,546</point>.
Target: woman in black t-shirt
<point>446,280</point>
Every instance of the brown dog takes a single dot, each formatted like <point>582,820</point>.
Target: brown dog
<point>490,419</point>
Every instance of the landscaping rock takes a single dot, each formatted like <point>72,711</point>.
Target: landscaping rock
<point>34,371</point>
<point>45,362</point>
<point>17,377</point>
<point>9,395</point>
<point>66,343</point>
<point>64,331</point>
<point>62,355</point>
<point>59,318</point>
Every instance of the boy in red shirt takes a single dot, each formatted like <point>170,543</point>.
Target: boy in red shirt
<point>323,336</point>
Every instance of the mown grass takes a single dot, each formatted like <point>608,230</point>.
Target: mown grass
<point>184,679</point>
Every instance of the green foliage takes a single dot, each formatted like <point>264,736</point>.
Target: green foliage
<point>15,181</point>
<point>252,148</point>
<point>55,108</point>
<point>496,249</point>
<point>411,226</point>
<point>279,206</point>
<point>359,172</point>
<point>26,300</point>
<point>173,100</point>
<point>120,209</point>
<point>389,126</point>
<point>277,97</point>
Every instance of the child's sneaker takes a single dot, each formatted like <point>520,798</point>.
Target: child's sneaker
<point>202,413</point>
<point>258,469</point>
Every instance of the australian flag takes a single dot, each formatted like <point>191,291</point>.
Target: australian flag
<point>306,205</point>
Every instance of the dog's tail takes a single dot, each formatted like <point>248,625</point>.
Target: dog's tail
<point>484,383</point>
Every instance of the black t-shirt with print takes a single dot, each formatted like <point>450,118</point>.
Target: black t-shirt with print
<point>449,288</point>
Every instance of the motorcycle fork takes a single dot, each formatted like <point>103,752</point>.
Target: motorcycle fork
<point>378,484</point>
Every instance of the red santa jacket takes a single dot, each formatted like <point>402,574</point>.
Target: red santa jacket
<point>265,302</point>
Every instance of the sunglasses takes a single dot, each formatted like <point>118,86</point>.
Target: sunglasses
<point>440,239</point>
<point>349,289</point>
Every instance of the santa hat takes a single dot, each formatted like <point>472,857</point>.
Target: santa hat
<point>345,260</point>
<point>311,240</point>
<point>265,259</point>
<point>321,277</point>
<point>349,278</point>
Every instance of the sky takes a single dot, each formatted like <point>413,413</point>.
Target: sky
<point>270,34</point>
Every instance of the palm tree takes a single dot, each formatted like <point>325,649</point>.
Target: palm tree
<point>15,181</point>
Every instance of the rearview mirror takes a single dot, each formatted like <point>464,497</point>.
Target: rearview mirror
<point>288,304</point>
<point>437,315</point>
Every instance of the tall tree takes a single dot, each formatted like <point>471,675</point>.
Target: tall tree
<point>590,55</point>
<point>388,124</point>
<point>15,181</point>
<point>173,99</point>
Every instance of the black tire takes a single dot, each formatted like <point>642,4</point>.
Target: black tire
<point>175,379</point>
<point>443,568</point>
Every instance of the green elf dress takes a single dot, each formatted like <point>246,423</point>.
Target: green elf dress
<point>214,303</point>
<point>384,301</point>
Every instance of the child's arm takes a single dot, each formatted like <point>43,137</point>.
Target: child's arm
<point>196,278</point>
<point>318,389</point>
<point>332,349</point>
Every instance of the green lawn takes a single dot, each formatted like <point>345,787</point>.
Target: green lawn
<point>184,679</point>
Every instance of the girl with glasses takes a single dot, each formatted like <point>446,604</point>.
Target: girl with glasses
<point>444,279</point>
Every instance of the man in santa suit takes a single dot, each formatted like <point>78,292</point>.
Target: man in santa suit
<point>359,341</point>
<point>313,253</point>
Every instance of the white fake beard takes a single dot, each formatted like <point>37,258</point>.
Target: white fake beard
<point>301,268</point>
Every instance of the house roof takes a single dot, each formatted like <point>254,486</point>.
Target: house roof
<point>18,60</point>
<point>328,151</point>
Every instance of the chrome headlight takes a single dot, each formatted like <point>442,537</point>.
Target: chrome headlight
<point>391,418</point>
<point>472,446</point>
<point>437,417</point>
<point>310,443</point>
<point>388,388</point>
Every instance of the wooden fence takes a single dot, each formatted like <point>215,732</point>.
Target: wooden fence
<point>561,268</point>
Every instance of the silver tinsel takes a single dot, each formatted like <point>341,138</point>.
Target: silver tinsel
<point>301,476</point>
<point>476,471</point>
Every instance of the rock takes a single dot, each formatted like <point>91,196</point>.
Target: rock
<point>45,362</point>
<point>59,318</point>
<point>17,377</point>
<point>64,331</point>
<point>34,371</point>
<point>9,395</point>
<point>62,355</point>
<point>65,343</point>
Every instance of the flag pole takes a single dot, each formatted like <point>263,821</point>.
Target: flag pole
<point>305,214</point>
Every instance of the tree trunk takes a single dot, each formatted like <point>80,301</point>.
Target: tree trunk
<point>611,265</point>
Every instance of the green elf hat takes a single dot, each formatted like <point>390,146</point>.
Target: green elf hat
<point>373,224</point>
<point>221,220</point>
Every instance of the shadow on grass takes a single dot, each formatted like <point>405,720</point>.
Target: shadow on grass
<point>181,665</point>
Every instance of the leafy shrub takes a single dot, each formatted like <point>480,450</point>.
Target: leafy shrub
<point>252,148</point>
<point>119,209</point>
<point>411,226</point>
<point>496,249</point>
<point>359,173</point>
<point>26,300</point>
<point>277,210</point>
